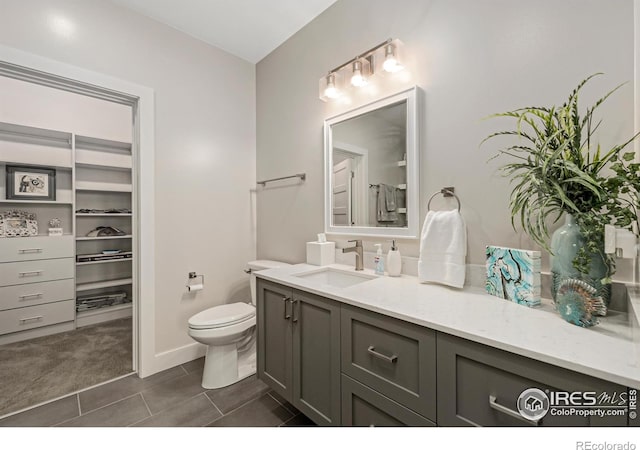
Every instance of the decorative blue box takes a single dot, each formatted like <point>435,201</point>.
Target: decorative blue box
<point>514,274</point>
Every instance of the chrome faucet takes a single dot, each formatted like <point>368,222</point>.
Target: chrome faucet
<point>357,249</point>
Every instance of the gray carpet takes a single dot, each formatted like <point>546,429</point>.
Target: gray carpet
<point>44,368</point>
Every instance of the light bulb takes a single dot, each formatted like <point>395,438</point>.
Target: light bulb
<point>358,80</point>
<point>391,64</point>
<point>331,91</point>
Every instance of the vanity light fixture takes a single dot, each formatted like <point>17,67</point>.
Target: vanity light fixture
<point>360,70</point>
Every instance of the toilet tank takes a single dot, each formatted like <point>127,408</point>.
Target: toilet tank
<point>261,264</point>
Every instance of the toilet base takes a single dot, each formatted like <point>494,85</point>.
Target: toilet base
<point>223,366</point>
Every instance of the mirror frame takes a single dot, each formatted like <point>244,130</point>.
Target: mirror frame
<point>411,96</point>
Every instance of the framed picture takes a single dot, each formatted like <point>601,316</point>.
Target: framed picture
<point>31,183</point>
<point>18,224</point>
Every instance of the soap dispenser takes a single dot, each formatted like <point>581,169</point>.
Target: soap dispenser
<point>394,260</point>
<point>379,261</point>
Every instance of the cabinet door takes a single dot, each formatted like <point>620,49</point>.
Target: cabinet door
<point>316,357</point>
<point>480,386</point>
<point>274,337</point>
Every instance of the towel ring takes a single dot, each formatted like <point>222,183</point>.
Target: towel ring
<point>447,192</point>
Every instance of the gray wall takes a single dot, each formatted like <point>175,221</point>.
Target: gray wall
<point>204,141</point>
<point>472,58</point>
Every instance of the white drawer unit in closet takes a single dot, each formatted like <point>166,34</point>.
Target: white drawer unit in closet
<point>20,319</point>
<point>37,247</point>
<point>22,295</point>
<point>36,271</point>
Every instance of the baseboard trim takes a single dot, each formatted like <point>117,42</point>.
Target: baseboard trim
<point>176,356</point>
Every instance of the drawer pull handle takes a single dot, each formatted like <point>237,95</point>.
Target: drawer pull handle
<point>294,310</point>
<point>493,404</point>
<point>31,273</point>
<point>286,300</point>
<point>31,319</point>
<point>30,250</point>
<point>31,296</point>
<point>390,359</point>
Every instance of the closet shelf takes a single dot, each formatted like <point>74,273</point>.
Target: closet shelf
<point>93,316</point>
<point>102,187</point>
<point>37,202</point>
<point>89,263</point>
<point>103,284</point>
<point>105,165</point>
<point>103,215</point>
<point>99,238</point>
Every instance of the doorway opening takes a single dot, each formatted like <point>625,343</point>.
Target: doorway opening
<point>69,316</point>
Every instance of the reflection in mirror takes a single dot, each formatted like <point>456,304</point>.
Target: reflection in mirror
<point>372,169</point>
<point>369,168</point>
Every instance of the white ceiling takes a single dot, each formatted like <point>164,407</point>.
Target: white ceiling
<point>250,29</point>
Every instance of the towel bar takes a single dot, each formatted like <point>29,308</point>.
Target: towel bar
<point>447,192</point>
<point>302,177</point>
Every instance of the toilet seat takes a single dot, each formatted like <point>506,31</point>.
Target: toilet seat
<point>222,316</point>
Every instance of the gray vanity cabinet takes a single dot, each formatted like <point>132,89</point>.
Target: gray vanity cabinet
<point>391,357</point>
<point>479,386</point>
<point>299,349</point>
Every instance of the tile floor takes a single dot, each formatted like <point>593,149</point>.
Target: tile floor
<point>172,398</point>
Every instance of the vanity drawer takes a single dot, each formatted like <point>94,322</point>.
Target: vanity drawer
<point>364,407</point>
<point>480,386</point>
<point>36,271</point>
<point>20,319</point>
<point>393,357</point>
<point>31,294</point>
<point>36,247</point>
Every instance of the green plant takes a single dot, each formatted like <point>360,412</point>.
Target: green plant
<point>557,168</point>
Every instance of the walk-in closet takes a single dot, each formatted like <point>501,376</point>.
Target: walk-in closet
<point>67,242</point>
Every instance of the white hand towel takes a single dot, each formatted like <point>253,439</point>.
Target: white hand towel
<point>443,249</point>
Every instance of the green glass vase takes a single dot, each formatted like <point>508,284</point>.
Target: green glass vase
<point>565,243</point>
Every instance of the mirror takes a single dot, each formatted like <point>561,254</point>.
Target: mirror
<point>371,169</point>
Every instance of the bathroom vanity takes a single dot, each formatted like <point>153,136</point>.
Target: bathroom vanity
<point>349,348</point>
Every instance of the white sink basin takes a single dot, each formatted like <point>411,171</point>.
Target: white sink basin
<point>335,277</point>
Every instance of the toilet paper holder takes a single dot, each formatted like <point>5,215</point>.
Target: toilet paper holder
<point>193,276</point>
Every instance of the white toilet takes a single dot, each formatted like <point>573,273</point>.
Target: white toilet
<point>229,332</point>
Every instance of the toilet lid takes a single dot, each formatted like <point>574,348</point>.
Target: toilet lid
<point>222,315</point>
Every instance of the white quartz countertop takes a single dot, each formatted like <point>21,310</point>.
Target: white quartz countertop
<point>606,351</point>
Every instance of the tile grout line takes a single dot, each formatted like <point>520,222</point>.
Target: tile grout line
<point>145,404</point>
<point>285,406</point>
<point>79,407</point>
<point>249,401</point>
<point>108,404</point>
<point>214,405</point>
<point>185,370</point>
<point>132,395</point>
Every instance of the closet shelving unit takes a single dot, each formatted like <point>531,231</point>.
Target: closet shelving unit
<point>103,181</point>
<point>91,173</point>
<point>45,302</point>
